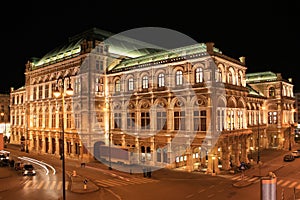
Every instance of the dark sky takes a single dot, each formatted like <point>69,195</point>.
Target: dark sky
<point>265,33</point>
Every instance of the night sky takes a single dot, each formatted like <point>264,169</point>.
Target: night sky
<point>266,33</point>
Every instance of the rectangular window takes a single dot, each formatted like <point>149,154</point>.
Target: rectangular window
<point>69,120</point>
<point>130,120</point>
<point>272,117</point>
<point>53,120</point>
<point>46,120</point>
<point>200,120</point>
<point>47,91</point>
<point>40,92</point>
<point>179,120</point>
<point>34,93</point>
<point>145,120</point>
<point>118,120</point>
<point>130,84</point>
<point>161,120</point>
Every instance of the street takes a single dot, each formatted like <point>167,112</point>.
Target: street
<point>163,184</point>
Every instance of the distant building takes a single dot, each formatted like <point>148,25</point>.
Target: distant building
<point>188,107</point>
<point>5,115</point>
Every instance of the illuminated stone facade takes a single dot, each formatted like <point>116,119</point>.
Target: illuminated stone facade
<point>191,107</point>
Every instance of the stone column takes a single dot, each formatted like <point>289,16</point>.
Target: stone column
<point>225,156</point>
<point>244,157</point>
<point>50,144</point>
<point>189,159</point>
<point>73,147</point>
<point>57,151</point>
<point>236,152</point>
<point>153,151</point>
<point>137,151</point>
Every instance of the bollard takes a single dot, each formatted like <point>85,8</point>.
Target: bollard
<point>74,173</point>
<point>84,184</point>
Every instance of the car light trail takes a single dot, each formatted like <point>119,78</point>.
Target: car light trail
<point>41,162</point>
<point>23,158</point>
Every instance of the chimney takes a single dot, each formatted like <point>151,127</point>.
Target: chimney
<point>210,47</point>
<point>243,60</point>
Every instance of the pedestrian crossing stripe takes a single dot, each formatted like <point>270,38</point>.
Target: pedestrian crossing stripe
<point>118,182</point>
<point>281,182</point>
<point>46,185</point>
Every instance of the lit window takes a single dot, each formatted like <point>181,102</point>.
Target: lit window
<point>179,78</point>
<point>130,84</point>
<point>199,75</point>
<point>161,80</point>
<point>145,82</point>
<point>117,86</point>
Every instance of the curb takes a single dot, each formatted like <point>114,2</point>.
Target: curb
<point>78,186</point>
<point>241,184</point>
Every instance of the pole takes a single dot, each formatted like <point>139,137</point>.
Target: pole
<point>290,145</point>
<point>63,143</point>
<point>109,135</point>
<point>258,139</point>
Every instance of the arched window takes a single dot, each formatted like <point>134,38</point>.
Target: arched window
<point>130,84</point>
<point>145,82</point>
<point>199,75</point>
<point>179,78</point>
<point>230,77</point>
<point>239,79</point>
<point>161,80</point>
<point>117,86</point>
<point>219,75</point>
<point>271,91</point>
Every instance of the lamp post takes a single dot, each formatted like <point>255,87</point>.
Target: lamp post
<point>109,134</point>
<point>61,93</point>
<point>26,129</point>
<point>290,143</point>
<point>258,136</point>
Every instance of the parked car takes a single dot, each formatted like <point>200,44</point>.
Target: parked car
<point>28,170</point>
<point>296,154</point>
<point>288,158</point>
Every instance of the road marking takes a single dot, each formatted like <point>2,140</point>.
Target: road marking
<point>40,185</point>
<point>201,190</point>
<point>46,186</point>
<point>253,179</point>
<point>189,196</point>
<point>53,184</point>
<point>285,183</point>
<point>279,182</point>
<point>59,185</point>
<point>118,182</point>
<point>293,184</point>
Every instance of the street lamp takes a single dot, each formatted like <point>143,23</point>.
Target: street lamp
<point>60,93</point>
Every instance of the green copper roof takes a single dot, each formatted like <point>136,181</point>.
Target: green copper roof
<point>162,55</point>
<point>118,44</point>
<point>261,76</point>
